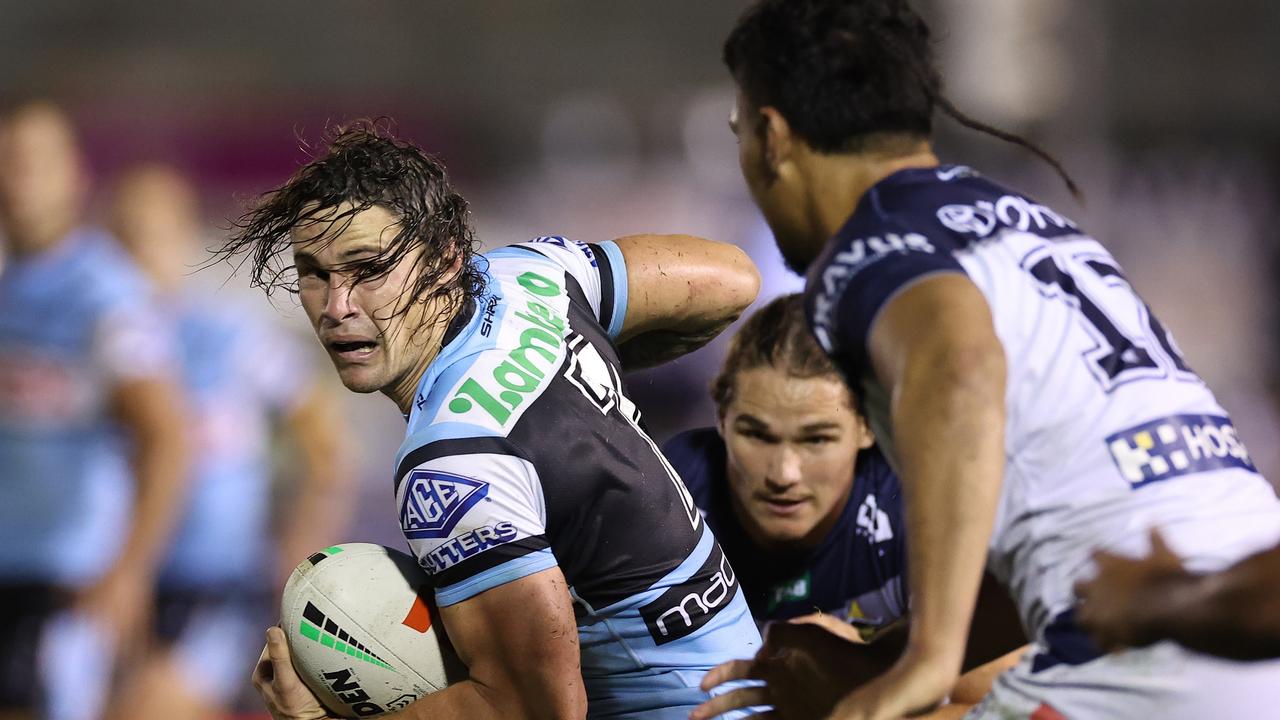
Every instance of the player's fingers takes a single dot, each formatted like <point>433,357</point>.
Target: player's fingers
<point>1083,590</point>
<point>262,670</point>
<point>733,700</point>
<point>1104,559</point>
<point>725,672</point>
<point>1160,548</point>
<point>283,674</point>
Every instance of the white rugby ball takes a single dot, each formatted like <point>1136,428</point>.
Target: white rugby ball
<point>361,633</point>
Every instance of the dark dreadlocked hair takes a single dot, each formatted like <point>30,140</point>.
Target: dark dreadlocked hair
<point>363,165</point>
<point>847,73</point>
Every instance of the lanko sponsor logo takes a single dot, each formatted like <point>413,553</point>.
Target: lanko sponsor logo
<point>434,502</point>
<point>493,394</point>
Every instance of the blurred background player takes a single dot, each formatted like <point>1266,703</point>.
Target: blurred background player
<point>807,509</point>
<point>92,447</point>
<point>1032,403</point>
<point>243,376</point>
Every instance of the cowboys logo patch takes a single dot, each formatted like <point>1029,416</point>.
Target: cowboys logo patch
<point>434,502</point>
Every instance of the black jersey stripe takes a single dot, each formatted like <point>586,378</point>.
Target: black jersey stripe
<point>490,558</point>
<point>457,446</point>
<point>607,290</point>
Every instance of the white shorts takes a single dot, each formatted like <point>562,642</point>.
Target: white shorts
<point>1164,681</point>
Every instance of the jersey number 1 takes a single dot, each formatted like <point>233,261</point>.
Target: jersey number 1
<point>1124,356</point>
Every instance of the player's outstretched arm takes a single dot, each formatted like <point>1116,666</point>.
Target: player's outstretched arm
<point>682,292</point>
<point>1232,614</point>
<point>935,350</point>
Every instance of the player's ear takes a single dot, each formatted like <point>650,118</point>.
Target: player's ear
<point>775,137</point>
<point>862,433</point>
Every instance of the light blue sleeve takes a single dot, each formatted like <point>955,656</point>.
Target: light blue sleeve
<point>618,282</point>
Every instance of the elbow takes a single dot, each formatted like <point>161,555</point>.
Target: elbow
<point>738,280</point>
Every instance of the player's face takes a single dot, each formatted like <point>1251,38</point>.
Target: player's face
<point>774,186</point>
<point>365,327</point>
<point>792,444</point>
<point>41,177</point>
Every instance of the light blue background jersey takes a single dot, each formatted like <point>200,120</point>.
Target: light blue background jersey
<point>524,453</point>
<point>75,321</point>
<point>238,372</point>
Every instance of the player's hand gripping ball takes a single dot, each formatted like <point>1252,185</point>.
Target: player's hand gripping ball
<point>361,636</point>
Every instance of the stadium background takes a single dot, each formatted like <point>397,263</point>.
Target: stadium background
<point>597,119</point>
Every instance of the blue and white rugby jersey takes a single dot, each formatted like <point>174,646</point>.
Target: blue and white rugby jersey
<point>1109,431</point>
<point>75,321</point>
<point>524,453</point>
<point>239,372</point>
<point>857,573</point>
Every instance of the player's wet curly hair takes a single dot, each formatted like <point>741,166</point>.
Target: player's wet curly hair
<point>364,165</point>
<point>847,74</point>
<point>776,336</point>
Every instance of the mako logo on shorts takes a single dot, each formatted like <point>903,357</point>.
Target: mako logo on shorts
<point>1177,445</point>
<point>684,608</point>
<point>435,501</point>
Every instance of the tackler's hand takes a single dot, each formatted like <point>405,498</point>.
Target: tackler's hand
<point>806,670</point>
<point>274,677</point>
<point>1121,606</point>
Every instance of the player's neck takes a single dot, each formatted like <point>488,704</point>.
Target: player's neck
<point>425,348</point>
<point>839,182</point>
<point>39,239</point>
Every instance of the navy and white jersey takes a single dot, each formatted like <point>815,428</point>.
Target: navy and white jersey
<point>1108,431</point>
<point>857,573</point>
<point>524,453</point>
<point>76,320</point>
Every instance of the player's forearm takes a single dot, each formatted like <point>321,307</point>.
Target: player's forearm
<point>325,483</point>
<point>159,462</point>
<point>324,495</point>
<point>948,417</point>
<point>159,470</point>
<point>469,700</point>
<point>1233,613</point>
<point>659,346</point>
